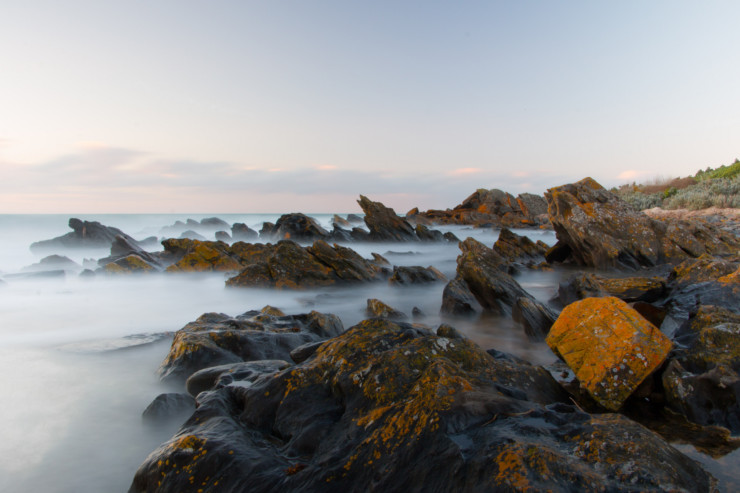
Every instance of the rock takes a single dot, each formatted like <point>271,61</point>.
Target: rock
<point>298,227</point>
<point>341,222</point>
<point>685,300</point>
<point>483,271</point>
<point>242,232</point>
<point>85,234</point>
<point>415,275</point>
<point>128,265</point>
<point>629,289</point>
<point>290,266</point>
<point>426,234</point>
<point>354,219</point>
<point>223,236</point>
<point>340,235</point>
<point>214,223</point>
<point>266,231</point>
<point>168,406</point>
<point>702,269</point>
<point>485,208</point>
<point>304,351</point>
<point>376,308</point>
<point>457,300</point>
<point>122,247</point>
<point>391,407</point>
<point>215,377</point>
<point>702,381</point>
<point>534,317</point>
<point>604,232</point>
<point>384,224</point>
<point>54,262</point>
<point>192,235</point>
<point>189,255</point>
<point>609,346</point>
<point>217,339</point>
<point>519,249</point>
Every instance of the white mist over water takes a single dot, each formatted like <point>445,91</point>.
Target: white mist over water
<point>77,370</point>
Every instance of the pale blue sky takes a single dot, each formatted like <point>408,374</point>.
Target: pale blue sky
<point>240,106</point>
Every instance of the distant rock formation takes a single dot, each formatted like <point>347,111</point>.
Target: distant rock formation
<point>489,208</point>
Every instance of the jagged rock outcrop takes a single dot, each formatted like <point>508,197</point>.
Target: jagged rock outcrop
<point>609,346</point>
<point>595,228</point>
<point>404,275</point>
<point>297,227</point>
<point>520,249</point>
<point>384,224</point>
<point>489,208</point>
<point>392,407</point>
<point>482,276</point>
<point>217,339</point>
<point>85,234</point>
<point>287,265</point>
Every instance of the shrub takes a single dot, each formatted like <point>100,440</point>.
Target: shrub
<point>722,192</point>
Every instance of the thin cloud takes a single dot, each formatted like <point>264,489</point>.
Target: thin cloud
<point>465,171</point>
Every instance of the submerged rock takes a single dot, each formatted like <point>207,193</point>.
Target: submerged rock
<point>376,308</point>
<point>54,262</point>
<point>403,275</point>
<point>168,406</point>
<point>609,346</point>
<point>391,407</point>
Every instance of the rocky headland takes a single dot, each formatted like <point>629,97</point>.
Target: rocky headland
<point>644,328</point>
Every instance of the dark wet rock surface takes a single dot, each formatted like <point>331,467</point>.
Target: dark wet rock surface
<point>398,407</point>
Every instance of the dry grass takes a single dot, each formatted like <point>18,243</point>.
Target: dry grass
<point>660,184</point>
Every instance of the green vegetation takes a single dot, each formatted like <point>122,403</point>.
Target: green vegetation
<point>708,188</point>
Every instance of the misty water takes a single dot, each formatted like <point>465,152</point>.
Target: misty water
<point>78,356</point>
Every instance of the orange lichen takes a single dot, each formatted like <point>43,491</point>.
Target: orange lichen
<point>609,346</point>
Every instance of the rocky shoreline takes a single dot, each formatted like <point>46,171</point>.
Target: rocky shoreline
<point>646,327</point>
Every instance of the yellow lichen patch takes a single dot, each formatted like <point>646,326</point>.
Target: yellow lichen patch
<point>732,278</point>
<point>609,346</point>
<point>512,470</point>
<point>191,442</point>
<point>272,311</point>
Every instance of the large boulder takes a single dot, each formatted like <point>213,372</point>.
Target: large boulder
<point>390,407</point>
<point>217,339</point>
<point>609,346</point>
<point>596,228</point>
<point>85,234</point>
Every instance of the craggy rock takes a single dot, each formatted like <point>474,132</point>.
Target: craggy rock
<point>415,275</point>
<point>483,271</point>
<point>168,406</point>
<point>702,269</point>
<point>266,230</point>
<point>384,224</point>
<point>609,346</point>
<point>602,231</point>
<point>305,351</point>
<point>242,232</point>
<point>685,299</point>
<point>217,339</point>
<point>519,249</point>
<point>341,222</point>
<point>85,234</point>
<point>214,223</point>
<point>287,265</point>
<point>376,308</point>
<point>490,208</point>
<point>534,317</point>
<point>215,377</point>
<point>200,256</point>
<point>354,219</point>
<point>458,300</point>
<point>629,289</point>
<point>702,381</point>
<point>390,407</point>
<point>297,227</point>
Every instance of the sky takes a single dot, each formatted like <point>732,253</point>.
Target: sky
<point>285,106</point>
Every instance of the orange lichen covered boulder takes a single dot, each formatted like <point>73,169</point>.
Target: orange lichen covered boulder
<point>609,346</point>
